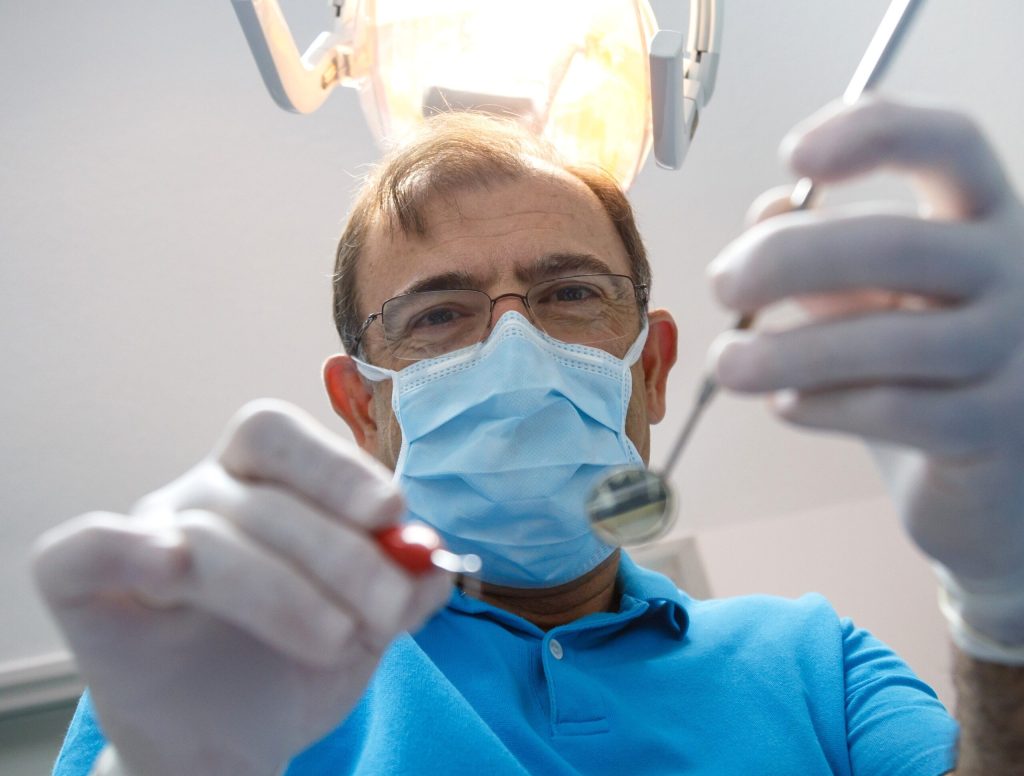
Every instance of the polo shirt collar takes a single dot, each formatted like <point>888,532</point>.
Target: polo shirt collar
<point>661,595</point>
<point>645,595</point>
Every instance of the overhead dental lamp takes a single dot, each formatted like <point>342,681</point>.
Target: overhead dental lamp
<point>594,77</point>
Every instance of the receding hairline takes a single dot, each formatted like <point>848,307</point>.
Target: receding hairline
<point>452,153</point>
<point>382,229</point>
<point>532,167</point>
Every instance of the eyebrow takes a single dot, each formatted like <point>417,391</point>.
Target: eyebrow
<point>562,264</point>
<point>445,281</point>
<point>546,267</point>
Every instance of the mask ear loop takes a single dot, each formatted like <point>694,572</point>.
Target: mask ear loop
<point>374,374</point>
<point>633,354</point>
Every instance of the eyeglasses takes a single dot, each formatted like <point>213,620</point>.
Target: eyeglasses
<point>581,309</point>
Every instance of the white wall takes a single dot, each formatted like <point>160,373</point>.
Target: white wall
<point>166,235</point>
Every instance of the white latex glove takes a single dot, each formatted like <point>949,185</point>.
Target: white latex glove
<point>916,338</point>
<point>239,613</point>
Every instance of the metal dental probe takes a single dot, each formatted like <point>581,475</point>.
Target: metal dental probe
<point>633,505</point>
<point>873,65</point>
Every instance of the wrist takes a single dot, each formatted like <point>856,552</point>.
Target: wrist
<point>986,619</point>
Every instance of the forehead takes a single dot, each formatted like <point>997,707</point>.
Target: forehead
<point>493,236</point>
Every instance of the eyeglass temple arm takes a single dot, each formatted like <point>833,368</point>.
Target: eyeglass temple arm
<point>358,339</point>
<point>642,293</point>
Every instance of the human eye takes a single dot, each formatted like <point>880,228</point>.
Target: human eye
<point>436,317</point>
<point>574,293</point>
<point>569,292</point>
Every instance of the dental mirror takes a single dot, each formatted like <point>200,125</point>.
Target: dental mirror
<point>630,505</point>
<point>633,505</point>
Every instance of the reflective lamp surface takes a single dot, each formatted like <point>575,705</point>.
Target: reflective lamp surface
<point>575,71</point>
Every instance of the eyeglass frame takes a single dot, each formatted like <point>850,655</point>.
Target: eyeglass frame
<point>639,292</point>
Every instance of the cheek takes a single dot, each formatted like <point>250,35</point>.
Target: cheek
<point>389,434</point>
<point>637,427</point>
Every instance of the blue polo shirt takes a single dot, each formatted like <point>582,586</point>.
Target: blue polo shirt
<point>666,684</point>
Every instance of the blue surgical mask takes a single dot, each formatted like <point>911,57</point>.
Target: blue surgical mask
<point>501,442</point>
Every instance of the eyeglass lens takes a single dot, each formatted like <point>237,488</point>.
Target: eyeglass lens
<point>583,310</point>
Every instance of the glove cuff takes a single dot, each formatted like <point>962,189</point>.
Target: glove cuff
<point>986,625</point>
<point>109,764</point>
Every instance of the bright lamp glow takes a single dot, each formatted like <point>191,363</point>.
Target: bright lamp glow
<point>575,71</point>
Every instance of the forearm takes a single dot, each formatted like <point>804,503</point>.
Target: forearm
<point>990,709</point>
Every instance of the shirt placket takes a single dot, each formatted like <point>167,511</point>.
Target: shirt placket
<point>576,697</point>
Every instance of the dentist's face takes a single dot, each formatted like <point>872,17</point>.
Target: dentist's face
<point>499,239</point>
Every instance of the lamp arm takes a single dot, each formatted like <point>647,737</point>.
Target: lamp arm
<point>683,80</point>
<point>297,84</point>
<point>704,42</point>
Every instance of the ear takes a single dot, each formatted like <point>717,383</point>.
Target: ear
<point>658,358</point>
<point>352,399</point>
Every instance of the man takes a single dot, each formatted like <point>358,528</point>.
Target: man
<point>493,306</point>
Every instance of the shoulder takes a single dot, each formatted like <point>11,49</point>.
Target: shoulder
<point>83,741</point>
<point>893,721</point>
<point>766,620</point>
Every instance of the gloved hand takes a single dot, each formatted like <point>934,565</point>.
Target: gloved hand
<point>916,332</point>
<point>239,613</point>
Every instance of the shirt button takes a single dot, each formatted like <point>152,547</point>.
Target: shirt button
<point>556,649</point>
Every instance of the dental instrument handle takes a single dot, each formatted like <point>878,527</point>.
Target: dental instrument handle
<point>882,49</point>
<point>417,549</point>
<point>708,391</point>
<point>709,386</point>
